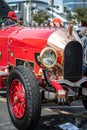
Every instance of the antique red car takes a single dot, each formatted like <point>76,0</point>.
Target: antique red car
<point>39,64</point>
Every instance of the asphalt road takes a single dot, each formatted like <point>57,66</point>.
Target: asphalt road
<point>51,117</point>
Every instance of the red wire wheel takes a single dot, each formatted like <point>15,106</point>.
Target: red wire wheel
<point>23,98</point>
<point>17,98</point>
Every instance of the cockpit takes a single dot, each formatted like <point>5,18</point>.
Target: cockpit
<point>6,21</point>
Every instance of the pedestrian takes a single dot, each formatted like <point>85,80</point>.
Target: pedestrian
<point>84,45</point>
<point>10,19</point>
<point>12,15</point>
<point>20,21</point>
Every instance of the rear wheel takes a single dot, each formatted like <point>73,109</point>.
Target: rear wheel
<point>23,98</point>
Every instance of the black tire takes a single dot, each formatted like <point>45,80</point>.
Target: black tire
<point>32,95</point>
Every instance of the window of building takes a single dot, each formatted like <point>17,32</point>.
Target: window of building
<point>14,7</point>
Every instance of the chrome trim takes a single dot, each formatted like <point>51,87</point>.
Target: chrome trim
<point>42,55</point>
<point>72,84</point>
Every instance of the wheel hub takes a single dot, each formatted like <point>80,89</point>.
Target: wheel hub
<point>17,99</point>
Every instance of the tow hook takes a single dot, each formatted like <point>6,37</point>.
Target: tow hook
<point>61,96</point>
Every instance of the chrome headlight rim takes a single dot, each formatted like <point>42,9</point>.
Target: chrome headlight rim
<point>43,53</point>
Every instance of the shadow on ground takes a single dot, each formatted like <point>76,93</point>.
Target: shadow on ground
<point>50,120</point>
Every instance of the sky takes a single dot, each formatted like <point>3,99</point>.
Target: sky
<point>56,2</point>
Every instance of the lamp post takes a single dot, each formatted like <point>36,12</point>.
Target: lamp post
<point>52,4</point>
<point>84,3</point>
<point>52,7</point>
<point>29,12</point>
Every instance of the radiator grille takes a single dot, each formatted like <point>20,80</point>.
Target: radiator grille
<point>73,61</point>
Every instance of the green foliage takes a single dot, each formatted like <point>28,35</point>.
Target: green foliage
<point>40,17</point>
<point>0,20</point>
<point>81,14</point>
<point>69,16</point>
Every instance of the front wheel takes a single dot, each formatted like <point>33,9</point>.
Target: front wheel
<point>23,98</point>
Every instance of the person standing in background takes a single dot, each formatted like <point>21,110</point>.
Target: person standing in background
<point>84,45</point>
<point>12,15</point>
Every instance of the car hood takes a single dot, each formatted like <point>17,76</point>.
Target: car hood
<point>31,37</point>
<point>42,37</point>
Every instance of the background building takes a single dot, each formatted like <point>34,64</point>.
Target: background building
<point>72,4</point>
<point>24,8</point>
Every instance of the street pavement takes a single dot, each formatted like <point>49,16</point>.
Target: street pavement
<point>51,116</point>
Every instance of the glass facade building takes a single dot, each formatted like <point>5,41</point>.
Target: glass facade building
<point>72,4</point>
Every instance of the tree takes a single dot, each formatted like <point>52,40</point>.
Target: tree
<point>81,14</point>
<point>69,16</point>
<point>40,17</point>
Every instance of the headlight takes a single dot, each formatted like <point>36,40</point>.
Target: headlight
<point>48,57</point>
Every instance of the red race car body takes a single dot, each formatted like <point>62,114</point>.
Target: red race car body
<point>39,64</point>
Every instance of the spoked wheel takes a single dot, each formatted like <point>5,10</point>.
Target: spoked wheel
<point>23,98</point>
<point>17,98</point>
